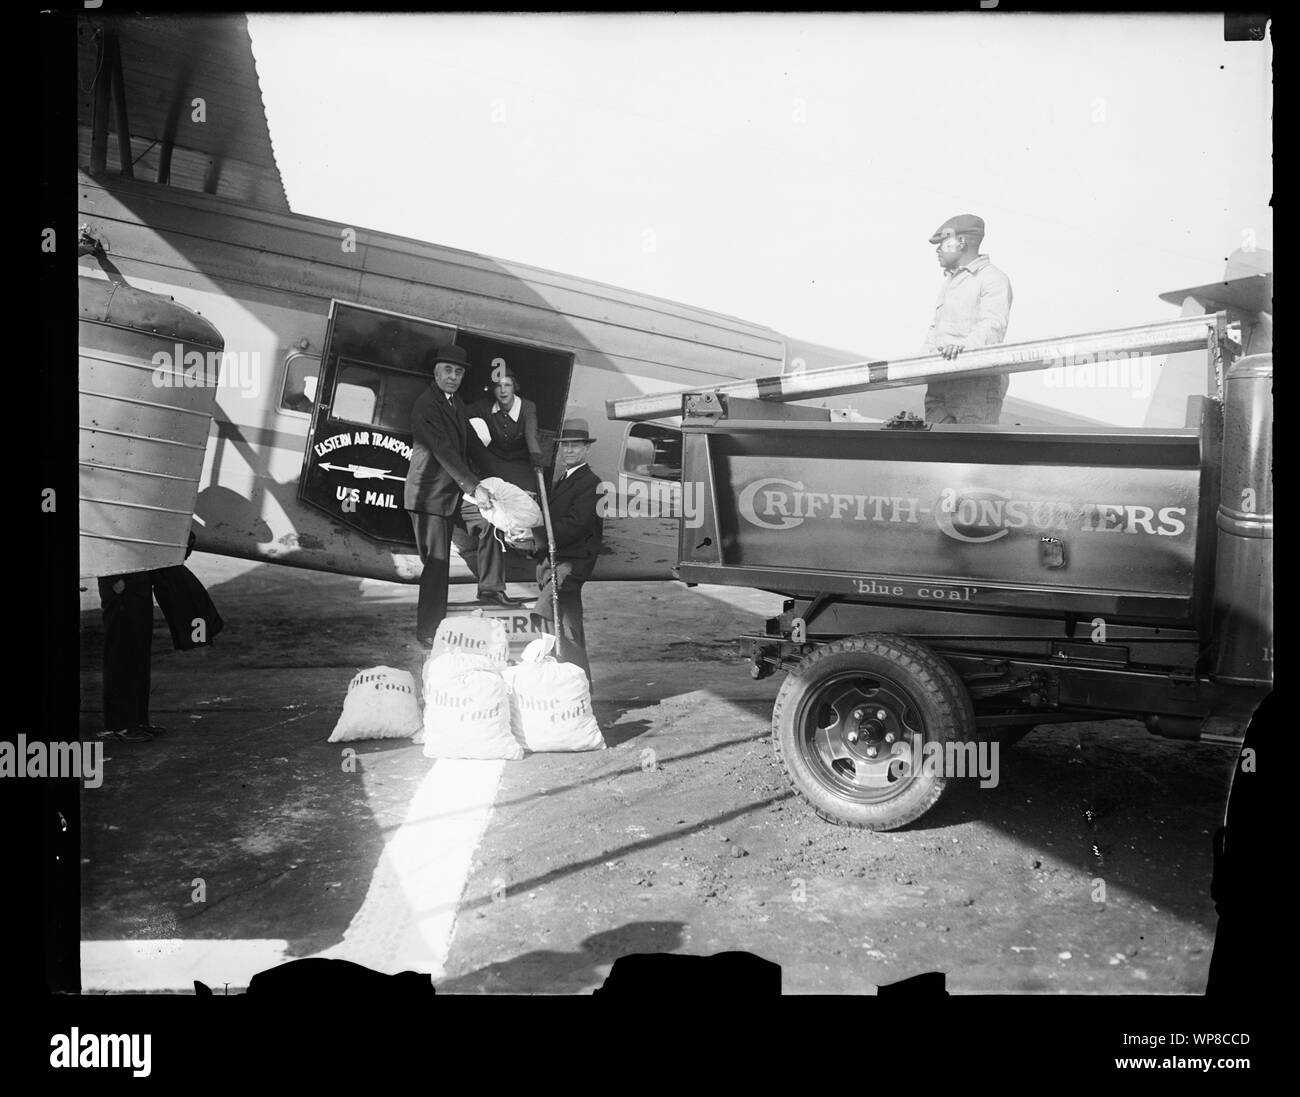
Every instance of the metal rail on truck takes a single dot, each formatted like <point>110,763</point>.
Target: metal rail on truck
<point>1164,337</point>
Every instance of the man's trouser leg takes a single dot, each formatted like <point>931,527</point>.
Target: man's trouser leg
<point>570,629</point>
<point>966,400</point>
<point>433,538</point>
<point>476,542</point>
<point>127,603</point>
<point>936,410</point>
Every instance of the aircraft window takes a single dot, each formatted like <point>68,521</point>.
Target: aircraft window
<point>654,452</point>
<point>355,394</point>
<point>379,397</point>
<point>300,377</point>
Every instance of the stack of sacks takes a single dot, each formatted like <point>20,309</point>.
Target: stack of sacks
<point>380,705</point>
<point>550,702</point>
<point>466,703</point>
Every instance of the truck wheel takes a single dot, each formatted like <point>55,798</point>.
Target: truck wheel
<point>851,724</point>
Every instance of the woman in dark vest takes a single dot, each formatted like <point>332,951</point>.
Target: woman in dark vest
<point>507,426</point>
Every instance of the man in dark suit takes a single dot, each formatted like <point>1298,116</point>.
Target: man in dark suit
<point>127,604</point>
<point>577,528</point>
<point>439,475</point>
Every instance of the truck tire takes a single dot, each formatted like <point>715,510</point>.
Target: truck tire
<point>826,722</point>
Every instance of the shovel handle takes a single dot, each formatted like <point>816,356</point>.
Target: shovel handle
<point>550,547</point>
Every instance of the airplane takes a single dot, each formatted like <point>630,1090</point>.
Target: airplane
<point>322,328</point>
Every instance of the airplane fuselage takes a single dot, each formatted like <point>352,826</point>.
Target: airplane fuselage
<point>284,480</point>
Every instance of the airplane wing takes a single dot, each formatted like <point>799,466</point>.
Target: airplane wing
<point>183,106</point>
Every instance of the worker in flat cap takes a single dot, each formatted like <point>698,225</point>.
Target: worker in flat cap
<point>972,311</point>
<point>577,529</point>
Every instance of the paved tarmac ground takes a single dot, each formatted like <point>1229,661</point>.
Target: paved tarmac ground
<point>242,839</point>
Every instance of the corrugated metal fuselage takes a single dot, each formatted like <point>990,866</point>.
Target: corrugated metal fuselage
<point>268,281</point>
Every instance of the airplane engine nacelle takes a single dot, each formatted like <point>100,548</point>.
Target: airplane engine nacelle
<point>148,370</point>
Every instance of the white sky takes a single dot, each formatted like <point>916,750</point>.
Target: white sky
<point>790,169</point>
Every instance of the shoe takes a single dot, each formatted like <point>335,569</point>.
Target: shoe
<point>125,735</point>
<point>497,597</point>
<point>153,730</point>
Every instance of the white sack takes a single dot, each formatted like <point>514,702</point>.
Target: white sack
<point>448,665</point>
<point>467,715</point>
<point>474,635</point>
<point>550,702</point>
<point>512,508</point>
<point>380,704</point>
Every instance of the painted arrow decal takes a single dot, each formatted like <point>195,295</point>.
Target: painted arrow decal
<point>361,472</point>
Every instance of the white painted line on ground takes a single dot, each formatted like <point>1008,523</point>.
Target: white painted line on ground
<point>409,913</point>
<point>405,922</point>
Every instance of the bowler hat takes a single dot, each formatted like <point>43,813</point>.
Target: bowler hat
<point>457,356</point>
<point>574,430</point>
<point>963,223</point>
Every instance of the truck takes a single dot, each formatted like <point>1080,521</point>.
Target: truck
<point>948,586</point>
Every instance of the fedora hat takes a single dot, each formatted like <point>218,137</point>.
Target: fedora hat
<point>574,430</point>
<point>457,356</point>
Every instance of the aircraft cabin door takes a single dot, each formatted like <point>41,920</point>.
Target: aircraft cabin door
<point>372,371</point>
<point>359,446</point>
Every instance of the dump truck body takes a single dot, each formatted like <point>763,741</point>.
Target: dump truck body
<point>1059,576</point>
<point>1098,548</point>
